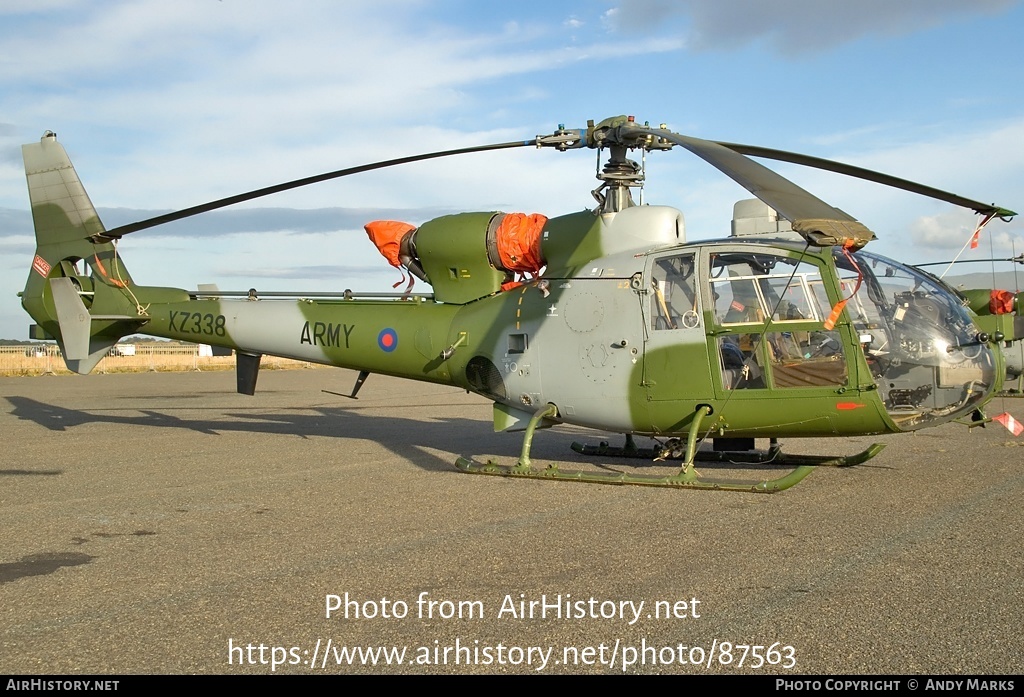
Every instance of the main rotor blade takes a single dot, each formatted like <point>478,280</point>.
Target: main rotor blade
<point>819,223</point>
<point>869,175</point>
<point>1019,259</point>
<point>266,191</point>
<point>790,200</point>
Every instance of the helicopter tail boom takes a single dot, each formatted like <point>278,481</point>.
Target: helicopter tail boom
<point>78,290</point>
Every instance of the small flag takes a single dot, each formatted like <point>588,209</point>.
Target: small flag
<point>975,238</point>
<point>1012,425</point>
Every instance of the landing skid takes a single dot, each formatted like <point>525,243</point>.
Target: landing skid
<point>772,456</point>
<point>687,477</point>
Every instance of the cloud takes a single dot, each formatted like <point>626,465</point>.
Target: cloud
<point>17,250</point>
<point>790,26</point>
<point>187,101</point>
<point>17,224</point>
<point>952,229</point>
<point>984,162</point>
<point>306,272</point>
<point>166,105</point>
<point>10,154</point>
<point>14,221</point>
<point>853,134</point>
<point>21,7</point>
<point>948,230</point>
<point>280,220</point>
<point>297,261</point>
<point>361,60</point>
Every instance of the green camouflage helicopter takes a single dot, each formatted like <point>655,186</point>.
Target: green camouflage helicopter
<point>606,318</point>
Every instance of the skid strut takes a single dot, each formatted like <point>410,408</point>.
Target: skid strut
<point>687,477</point>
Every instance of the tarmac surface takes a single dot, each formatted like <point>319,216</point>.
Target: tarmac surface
<point>162,523</point>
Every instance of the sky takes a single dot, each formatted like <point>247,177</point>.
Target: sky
<point>167,105</point>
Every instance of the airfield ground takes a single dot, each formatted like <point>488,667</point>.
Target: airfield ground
<point>162,523</point>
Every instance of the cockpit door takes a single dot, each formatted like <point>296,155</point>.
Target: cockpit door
<point>675,351</point>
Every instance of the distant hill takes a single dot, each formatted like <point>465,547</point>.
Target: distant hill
<point>15,342</point>
<point>1004,280</point>
<point>134,339</point>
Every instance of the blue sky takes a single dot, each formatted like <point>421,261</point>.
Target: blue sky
<point>165,105</point>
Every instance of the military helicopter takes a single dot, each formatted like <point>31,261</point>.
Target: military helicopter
<point>605,318</point>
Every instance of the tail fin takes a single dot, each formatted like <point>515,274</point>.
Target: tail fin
<point>85,312</point>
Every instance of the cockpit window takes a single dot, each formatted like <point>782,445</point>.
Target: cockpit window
<point>919,341</point>
<point>674,293</point>
<point>773,308</point>
<point>750,288</point>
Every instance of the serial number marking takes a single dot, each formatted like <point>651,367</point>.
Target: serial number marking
<point>197,323</point>
<point>328,334</point>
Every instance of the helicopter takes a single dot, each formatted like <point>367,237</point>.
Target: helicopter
<point>606,318</point>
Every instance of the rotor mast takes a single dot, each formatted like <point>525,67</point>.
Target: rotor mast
<point>620,174</point>
<point>617,135</point>
<point>617,176</point>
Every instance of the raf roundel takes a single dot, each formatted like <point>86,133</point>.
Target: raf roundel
<point>387,340</point>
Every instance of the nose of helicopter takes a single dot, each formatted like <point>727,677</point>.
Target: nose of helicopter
<point>927,357</point>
